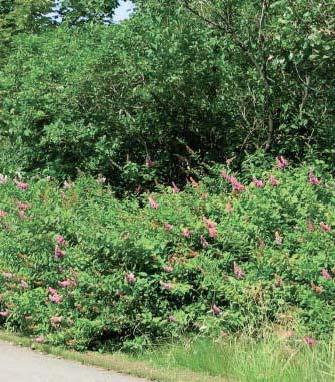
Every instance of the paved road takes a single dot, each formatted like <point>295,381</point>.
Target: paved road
<point>25,365</point>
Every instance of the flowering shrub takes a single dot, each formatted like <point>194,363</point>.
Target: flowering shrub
<point>81,268</point>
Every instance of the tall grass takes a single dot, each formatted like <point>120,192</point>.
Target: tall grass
<point>244,359</point>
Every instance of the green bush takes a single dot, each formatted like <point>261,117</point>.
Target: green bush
<point>86,270</point>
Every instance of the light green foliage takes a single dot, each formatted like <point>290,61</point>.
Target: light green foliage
<point>263,263</point>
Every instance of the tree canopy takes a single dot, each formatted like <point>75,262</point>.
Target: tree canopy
<point>179,85</point>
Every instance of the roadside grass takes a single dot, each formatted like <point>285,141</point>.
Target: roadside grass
<point>117,362</point>
<point>246,360</point>
<point>242,359</point>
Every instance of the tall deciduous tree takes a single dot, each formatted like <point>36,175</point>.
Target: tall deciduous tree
<point>283,52</point>
<point>79,11</point>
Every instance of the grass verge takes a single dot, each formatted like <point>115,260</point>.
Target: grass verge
<point>242,359</point>
<point>118,362</point>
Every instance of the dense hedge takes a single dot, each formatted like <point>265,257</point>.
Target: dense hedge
<point>83,269</point>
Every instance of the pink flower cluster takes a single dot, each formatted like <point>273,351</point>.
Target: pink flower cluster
<point>175,189</point>
<point>56,320</point>
<point>23,206</point>
<point>59,248</point>
<point>278,238</point>
<point>3,214</point>
<point>215,310</point>
<point>54,296</point>
<point>21,185</point>
<point>166,286</point>
<point>325,227</point>
<point>152,203</point>
<point>325,274</point>
<point>281,162</point>
<point>258,183</point>
<point>236,185</point>
<point>204,242</point>
<point>168,268</point>
<point>149,163</point>
<point>3,179</point>
<point>186,233</point>
<point>168,227</point>
<point>67,283</point>
<point>60,240</point>
<point>273,181</point>
<point>313,180</point>
<point>309,341</point>
<point>211,226</point>
<point>130,278</point>
<point>24,284</point>
<point>238,272</point>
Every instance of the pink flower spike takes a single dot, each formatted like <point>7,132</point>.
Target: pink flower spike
<point>175,189</point>
<point>23,206</point>
<point>168,268</point>
<point>166,286</point>
<point>149,163</point>
<point>67,283</point>
<point>238,272</point>
<point>204,242</point>
<point>273,181</point>
<point>309,341</point>
<point>3,179</point>
<point>52,290</point>
<point>4,313</point>
<point>278,238</point>
<point>130,278</point>
<point>21,185</point>
<point>168,227</point>
<point>237,186</point>
<point>59,254</point>
<point>211,226</point>
<point>258,183</point>
<point>281,162</point>
<point>325,227</point>
<point>55,298</point>
<point>225,175</point>
<point>152,203</point>
<point>186,233</point>
<point>3,214</point>
<point>313,180</point>
<point>56,320</point>
<point>194,183</point>
<point>60,240</point>
<point>215,310</point>
<point>67,185</point>
<point>325,274</point>
<point>24,284</point>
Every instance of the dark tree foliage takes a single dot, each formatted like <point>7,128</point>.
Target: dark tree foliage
<point>180,85</point>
